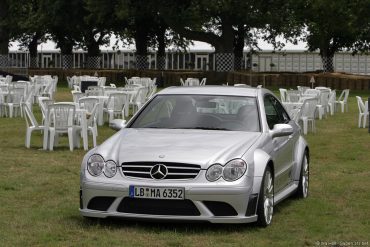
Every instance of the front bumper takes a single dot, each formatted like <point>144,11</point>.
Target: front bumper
<point>238,197</point>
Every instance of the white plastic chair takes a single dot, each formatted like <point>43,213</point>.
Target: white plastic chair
<point>88,103</point>
<point>76,88</point>
<point>102,81</point>
<point>14,100</point>
<point>331,102</point>
<point>293,95</point>
<point>283,94</point>
<point>116,105</point>
<point>342,100</point>
<point>91,106</point>
<point>3,111</point>
<point>76,95</point>
<point>308,112</point>
<point>92,126</point>
<point>44,103</point>
<point>312,92</point>
<point>139,99</point>
<point>94,91</point>
<point>61,118</point>
<point>182,82</point>
<point>203,82</point>
<point>302,89</point>
<point>151,92</point>
<point>70,82</point>
<point>363,112</point>
<point>49,90</point>
<point>32,124</point>
<point>8,79</point>
<point>323,103</point>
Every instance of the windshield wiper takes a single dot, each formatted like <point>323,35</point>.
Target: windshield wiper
<point>203,128</point>
<point>210,128</point>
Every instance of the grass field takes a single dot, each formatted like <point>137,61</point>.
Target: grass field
<point>39,198</point>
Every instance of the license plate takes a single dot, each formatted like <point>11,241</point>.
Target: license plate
<point>156,192</point>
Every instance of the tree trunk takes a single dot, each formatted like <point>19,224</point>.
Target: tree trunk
<point>4,34</point>
<point>66,49</point>
<point>161,53</point>
<point>32,48</point>
<point>223,44</point>
<point>224,48</point>
<point>238,47</point>
<point>141,41</point>
<point>93,54</point>
<point>4,50</point>
<point>327,60</point>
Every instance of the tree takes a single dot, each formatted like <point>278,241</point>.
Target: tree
<point>226,25</point>
<point>28,25</point>
<point>135,22</point>
<point>201,20</point>
<point>331,26</point>
<point>4,33</point>
<point>64,22</point>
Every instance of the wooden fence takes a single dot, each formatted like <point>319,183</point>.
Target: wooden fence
<point>167,78</point>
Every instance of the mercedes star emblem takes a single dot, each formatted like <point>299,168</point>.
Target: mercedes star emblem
<point>158,171</point>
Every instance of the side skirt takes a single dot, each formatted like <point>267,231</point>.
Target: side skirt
<point>287,191</point>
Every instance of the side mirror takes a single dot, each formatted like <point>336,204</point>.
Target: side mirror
<point>280,130</point>
<point>117,124</point>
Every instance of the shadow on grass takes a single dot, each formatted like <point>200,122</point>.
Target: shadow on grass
<point>159,226</point>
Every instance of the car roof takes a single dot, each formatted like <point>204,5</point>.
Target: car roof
<point>212,90</point>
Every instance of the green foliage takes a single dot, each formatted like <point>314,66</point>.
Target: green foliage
<point>64,22</point>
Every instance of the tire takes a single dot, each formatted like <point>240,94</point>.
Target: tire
<point>304,178</point>
<point>265,208</point>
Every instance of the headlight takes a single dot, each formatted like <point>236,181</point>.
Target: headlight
<point>110,168</point>
<point>214,172</point>
<point>234,169</point>
<point>95,165</point>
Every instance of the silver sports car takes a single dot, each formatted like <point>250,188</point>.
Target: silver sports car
<point>217,154</point>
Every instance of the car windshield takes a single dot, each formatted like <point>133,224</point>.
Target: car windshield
<point>209,112</point>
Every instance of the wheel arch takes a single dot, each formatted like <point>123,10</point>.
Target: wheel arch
<point>301,149</point>
<point>261,161</point>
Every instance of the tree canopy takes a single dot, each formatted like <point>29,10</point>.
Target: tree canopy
<point>228,25</point>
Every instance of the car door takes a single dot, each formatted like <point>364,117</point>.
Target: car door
<point>283,147</point>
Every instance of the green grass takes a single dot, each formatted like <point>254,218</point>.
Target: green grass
<point>39,196</point>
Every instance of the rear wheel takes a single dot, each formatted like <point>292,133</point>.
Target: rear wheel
<point>265,208</point>
<point>302,191</point>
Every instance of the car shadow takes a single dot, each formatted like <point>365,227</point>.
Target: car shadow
<point>153,226</point>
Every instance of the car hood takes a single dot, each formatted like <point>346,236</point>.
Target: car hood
<point>203,147</point>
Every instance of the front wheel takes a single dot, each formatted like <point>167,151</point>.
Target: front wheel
<point>302,191</point>
<point>265,208</point>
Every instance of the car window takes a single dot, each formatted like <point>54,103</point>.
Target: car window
<point>275,112</point>
<point>216,112</point>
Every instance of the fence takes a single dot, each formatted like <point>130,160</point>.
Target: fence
<point>280,61</point>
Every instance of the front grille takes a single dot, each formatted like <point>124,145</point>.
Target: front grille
<point>175,170</point>
<point>158,207</point>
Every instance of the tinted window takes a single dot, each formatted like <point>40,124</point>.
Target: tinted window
<point>200,112</point>
<point>275,112</point>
